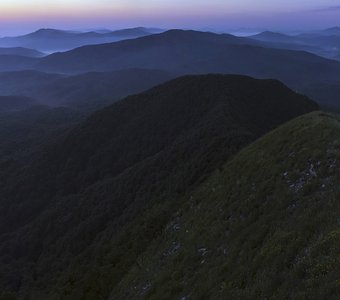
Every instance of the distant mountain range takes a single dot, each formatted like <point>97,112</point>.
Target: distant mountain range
<point>330,31</point>
<point>51,40</point>
<point>194,52</point>
<point>187,52</point>
<point>325,43</point>
<point>182,52</point>
<point>99,195</point>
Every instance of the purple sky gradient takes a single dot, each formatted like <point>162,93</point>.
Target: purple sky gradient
<point>22,16</point>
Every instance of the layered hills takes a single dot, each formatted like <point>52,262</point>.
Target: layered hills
<point>195,52</point>
<point>190,52</point>
<point>51,40</point>
<point>324,43</point>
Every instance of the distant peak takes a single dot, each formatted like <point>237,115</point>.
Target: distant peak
<point>333,28</point>
<point>48,32</point>
<point>185,32</point>
<point>43,30</point>
<point>271,33</point>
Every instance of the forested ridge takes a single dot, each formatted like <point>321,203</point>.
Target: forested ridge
<point>78,213</point>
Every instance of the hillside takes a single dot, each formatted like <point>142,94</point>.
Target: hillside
<point>264,226</point>
<point>16,62</point>
<point>25,82</point>
<point>21,52</point>
<point>108,187</point>
<point>24,127</point>
<point>91,91</point>
<point>85,92</point>
<point>15,103</point>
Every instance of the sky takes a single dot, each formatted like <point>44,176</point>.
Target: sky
<point>20,16</point>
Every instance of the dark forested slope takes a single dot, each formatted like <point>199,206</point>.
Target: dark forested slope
<point>264,226</point>
<point>75,219</point>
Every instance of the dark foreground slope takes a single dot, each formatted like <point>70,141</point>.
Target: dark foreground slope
<point>264,226</point>
<point>23,130</point>
<point>74,221</point>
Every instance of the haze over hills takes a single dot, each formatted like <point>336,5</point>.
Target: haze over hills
<point>91,202</point>
<point>190,52</point>
<point>271,36</point>
<point>325,43</point>
<point>85,92</point>
<point>90,91</point>
<point>52,40</point>
<point>194,52</point>
<point>330,31</point>
<point>19,51</point>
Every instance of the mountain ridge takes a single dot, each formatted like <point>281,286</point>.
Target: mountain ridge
<point>97,181</point>
<point>52,40</point>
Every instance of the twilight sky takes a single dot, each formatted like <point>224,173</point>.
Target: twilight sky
<point>19,16</point>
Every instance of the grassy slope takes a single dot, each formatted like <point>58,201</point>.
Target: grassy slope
<point>265,226</point>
